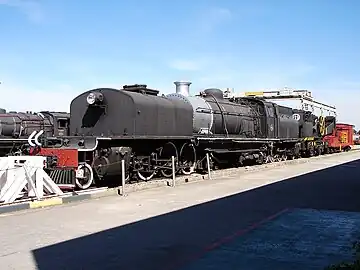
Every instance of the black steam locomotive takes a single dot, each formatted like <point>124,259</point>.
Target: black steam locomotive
<point>17,127</point>
<point>136,125</point>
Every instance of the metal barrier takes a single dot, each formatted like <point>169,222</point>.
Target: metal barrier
<point>208,165</point>
<point>123,177</point>
<point>25,173</point>
<point>173,171</point>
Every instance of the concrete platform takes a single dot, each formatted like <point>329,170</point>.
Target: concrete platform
<point>180,180</point>
<point>293,239</point>
<point>161,228</point>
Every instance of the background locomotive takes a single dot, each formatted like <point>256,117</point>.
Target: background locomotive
<point>135,124</point>
<point>16,127</point>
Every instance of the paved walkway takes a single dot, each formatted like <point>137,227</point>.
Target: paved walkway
<point>162,228</point>
<point>294,239</point>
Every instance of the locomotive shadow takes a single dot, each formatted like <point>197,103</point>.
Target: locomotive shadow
<point>169,239</point>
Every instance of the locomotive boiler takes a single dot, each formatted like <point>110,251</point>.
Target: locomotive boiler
<point>241,117</point>
<point>213,115</point>
<point>21,125</point>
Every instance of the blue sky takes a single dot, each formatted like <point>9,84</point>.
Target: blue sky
<point>57,49</point>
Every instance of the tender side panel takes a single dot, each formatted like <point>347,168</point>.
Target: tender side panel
<point>125,113</point>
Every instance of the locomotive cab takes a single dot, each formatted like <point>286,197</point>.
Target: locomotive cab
<point>60,122</point>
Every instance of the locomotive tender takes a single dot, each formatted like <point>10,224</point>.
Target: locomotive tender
<point>16,127</point>
<point>136,125</point>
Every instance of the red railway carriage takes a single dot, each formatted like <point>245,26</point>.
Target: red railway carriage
<point>342,137</point>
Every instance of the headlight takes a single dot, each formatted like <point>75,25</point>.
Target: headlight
<point>91,98</point>
<point>94,98</point>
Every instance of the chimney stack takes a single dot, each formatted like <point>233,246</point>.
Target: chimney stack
<point>183,88</point>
